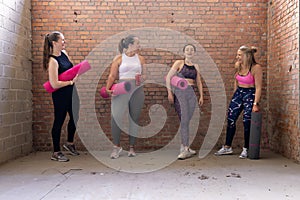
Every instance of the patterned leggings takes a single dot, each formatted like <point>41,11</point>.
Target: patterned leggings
<point>242,100</point>
<point>185,104</point>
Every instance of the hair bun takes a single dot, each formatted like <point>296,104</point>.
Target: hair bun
<point>253,49</point>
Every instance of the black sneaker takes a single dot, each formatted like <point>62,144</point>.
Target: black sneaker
<point>59,156</point>
<point>71,149</point>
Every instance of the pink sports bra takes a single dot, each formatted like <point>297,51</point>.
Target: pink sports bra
<point>245,80</point>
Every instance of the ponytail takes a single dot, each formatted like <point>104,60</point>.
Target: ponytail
<point>48,47</point>
<point>46,53</point>
<point>121,45</point>
<point>124,43</point>
<point>253,49</point>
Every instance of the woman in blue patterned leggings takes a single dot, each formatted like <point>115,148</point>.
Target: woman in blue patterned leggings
<point>248,81</point>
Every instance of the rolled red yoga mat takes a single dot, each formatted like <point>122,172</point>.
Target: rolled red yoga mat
<point>119,88</point>
<point>178,82</point>
<point>69,74</point>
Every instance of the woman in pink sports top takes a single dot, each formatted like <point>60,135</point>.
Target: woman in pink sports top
<point>248,84</point>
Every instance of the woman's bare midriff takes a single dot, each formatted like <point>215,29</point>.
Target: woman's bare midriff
<point>246,86</point>
<point>190,81</point>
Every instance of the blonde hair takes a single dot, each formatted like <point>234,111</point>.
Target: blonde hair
<point>248,59</point>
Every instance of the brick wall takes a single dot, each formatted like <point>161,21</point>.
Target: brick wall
<point>283,77</point>
<point>220,27</point>
<point>15,79</point>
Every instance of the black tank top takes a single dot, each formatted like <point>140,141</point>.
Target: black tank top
<point>63,65</point>
<point>188,71</point>
<point>63,62</point>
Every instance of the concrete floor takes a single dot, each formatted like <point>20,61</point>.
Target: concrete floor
<point>84,177</point>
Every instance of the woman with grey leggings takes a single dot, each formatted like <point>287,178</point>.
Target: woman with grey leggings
<point>128,67</point>
<point>185,100</point>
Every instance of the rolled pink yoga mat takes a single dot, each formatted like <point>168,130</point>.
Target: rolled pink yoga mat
<point>178,82</point>
<point>69,74</point>
<point>119,88</point>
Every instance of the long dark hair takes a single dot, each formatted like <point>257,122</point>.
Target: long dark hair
<point>48,47</point>
<point>124,43</point>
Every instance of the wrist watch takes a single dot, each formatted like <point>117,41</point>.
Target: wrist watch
<point>256,103</point>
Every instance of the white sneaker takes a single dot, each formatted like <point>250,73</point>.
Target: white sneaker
<point>131,152</point>
<point>116,152</point>
<point>224,151</point>
<point>244,153</point>
<point>184,155</point>
<point>193,152</point>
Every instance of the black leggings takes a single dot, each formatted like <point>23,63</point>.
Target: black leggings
<point>64,101</point>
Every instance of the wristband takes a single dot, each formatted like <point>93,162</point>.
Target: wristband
<point>256,103</point>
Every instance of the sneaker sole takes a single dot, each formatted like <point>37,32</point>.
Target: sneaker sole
<point>131,154</point>
<point>185,157</point>
<point>55,159</point>
<point>221,154</point>
<point>73,154</point>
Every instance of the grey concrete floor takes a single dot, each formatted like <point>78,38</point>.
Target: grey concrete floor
<point>227,177</point>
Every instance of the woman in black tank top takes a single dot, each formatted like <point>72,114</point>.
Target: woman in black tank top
<point>65,99</point>
<point>185,100</point>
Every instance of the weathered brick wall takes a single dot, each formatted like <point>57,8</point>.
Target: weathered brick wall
<point>15,79</point>
<point>283,77</point>
<point>221,27</point>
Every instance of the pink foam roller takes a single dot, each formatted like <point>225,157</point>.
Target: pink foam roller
<point>69,74</point>
<point>103,92</point>
<point>178,82</point>
<point>181,83</point>
<point>119,88</point>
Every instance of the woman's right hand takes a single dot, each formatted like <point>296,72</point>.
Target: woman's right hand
<point>109,92</point>
<point>171,98</point>
<point>74,80</point>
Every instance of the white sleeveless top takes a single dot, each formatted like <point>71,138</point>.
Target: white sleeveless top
<point>129,67</point>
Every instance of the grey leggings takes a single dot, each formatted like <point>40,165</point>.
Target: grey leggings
<point>185,103</point>
<point>133,102</point>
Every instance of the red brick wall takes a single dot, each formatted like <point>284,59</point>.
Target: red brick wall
<point>283,77</point>
<point>221,27</point>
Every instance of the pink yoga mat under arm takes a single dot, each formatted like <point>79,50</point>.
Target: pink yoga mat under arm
<point>119,88</point>
<point>69,74</point>
<point>178,82</point>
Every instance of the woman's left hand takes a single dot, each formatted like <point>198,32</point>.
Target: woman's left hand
<point>255,108</point>
<point>200,101</point>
